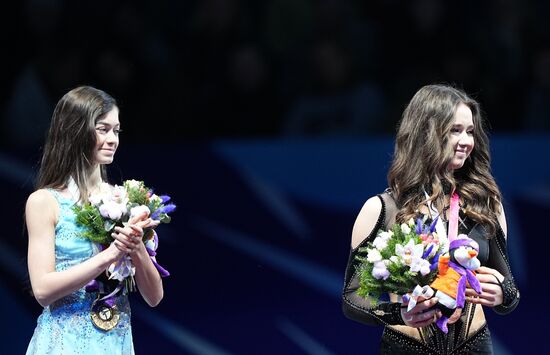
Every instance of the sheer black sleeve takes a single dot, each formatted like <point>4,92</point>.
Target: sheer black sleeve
<point>498,259</point>
<point>356,307</point>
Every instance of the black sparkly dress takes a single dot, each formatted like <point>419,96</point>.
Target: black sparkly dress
<point>469,335</point>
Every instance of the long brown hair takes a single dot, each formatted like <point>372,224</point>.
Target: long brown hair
<point>422,156</point>
<point>70,145</point>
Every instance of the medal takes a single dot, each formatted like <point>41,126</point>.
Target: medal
<point>103,316</point>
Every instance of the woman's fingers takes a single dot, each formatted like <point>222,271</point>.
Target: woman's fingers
<point>427,304</point>
<point>147,223</point>
<point>491,295</point>
<point>424,319</point>
<point>121,246</point>
<point>487,273</point>
<point>422,314</point>
<point>139,217</point>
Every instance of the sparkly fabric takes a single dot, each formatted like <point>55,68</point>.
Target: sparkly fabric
<point>394,342</point>
<point>65,326</point>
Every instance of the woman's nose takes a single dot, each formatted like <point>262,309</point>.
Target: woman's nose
<point>112,137</point>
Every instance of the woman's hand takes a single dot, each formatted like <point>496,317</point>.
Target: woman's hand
<point>422,314</point>
<point>129,239</point>
<point>491,291</point>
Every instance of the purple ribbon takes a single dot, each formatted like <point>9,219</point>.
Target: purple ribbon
<point>109,299</point>
<point>465,275</point>
<point>162,271</point>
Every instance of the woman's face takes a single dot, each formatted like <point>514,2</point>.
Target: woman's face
<point>461,137</point>
<point>107,130</point>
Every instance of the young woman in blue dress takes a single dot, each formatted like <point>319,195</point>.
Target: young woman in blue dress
<point>82,139</point>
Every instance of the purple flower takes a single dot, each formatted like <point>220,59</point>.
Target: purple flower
<point>432,226</point>
<point>418,226</point>
<point>169,208</point>
<point>427,252</point>
<point>435,262</point>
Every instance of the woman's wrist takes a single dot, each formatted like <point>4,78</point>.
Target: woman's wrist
<point>510,296</point>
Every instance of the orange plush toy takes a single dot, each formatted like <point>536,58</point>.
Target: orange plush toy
<point>456,269</point>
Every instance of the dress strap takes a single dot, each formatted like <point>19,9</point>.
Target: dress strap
<point>61,200</point>
<point>54,192</point>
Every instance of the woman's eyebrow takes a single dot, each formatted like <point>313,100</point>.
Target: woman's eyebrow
<point>107,123</point>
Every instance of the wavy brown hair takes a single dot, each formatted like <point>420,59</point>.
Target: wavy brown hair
<point>422,156</point>
<point>70,145</point>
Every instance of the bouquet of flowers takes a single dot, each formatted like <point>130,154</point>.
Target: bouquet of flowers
<point>399,259</point>
<point>114,206</point>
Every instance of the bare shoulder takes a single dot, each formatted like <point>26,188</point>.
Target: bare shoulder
<point>40,199</point>
<point>41,204</point>
<point>366,220</point>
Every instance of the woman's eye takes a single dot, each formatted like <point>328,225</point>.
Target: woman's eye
<point>117,131</point>
<point>101,129</point>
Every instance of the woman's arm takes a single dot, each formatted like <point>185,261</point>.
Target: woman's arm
<point>148,280</point>
<point>499,289</point>
<point>49,285</point>
<point>370,219</point>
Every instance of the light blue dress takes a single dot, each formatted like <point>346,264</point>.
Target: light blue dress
<point>65,326</point>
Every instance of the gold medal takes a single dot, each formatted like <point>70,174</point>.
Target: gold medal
<point>103,316</point>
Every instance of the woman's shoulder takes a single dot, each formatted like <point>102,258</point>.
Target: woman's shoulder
<point>41,197</point>
<point>41,204</point>
<point>370,217</point>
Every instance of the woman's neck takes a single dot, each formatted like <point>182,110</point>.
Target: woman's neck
<point>95,178</point>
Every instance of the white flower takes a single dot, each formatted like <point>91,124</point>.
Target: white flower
<point>136,211</point>
<point>112,210</point>
<point>385,235</point>
<point>133,184</point>
<point>405,228</point>
<point>95,199</point>
<point>119,195</point>
<point>420,265</point>
<point>103,195</point>
<point>380,271</point>
<point>154,198</point>
<point>394,259</point>
<point>121,269</point>
<point>380,243</point>
<point>373,255</point>
<point>410,252</point>
<point>411,222</point>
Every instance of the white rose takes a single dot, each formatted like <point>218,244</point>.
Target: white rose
<point>405,228</point>
<point>386,235</point>
<point>136,211</point>
<point>373,255</point>
<point>112,210</point>
<point>133,184</point>
<point>380,243</point>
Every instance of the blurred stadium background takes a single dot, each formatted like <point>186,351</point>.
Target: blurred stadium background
<point>270,123</point>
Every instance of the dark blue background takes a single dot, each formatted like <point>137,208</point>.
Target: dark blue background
<point>258,246</point>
